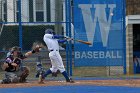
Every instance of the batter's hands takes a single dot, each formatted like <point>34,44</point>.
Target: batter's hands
<point>68,38</point>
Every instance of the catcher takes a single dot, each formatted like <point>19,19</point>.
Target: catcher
<point>15,72</point>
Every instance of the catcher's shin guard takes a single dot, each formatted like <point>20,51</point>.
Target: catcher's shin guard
<point>24,75</point>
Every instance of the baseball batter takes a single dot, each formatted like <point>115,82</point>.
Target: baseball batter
<point>52,41</point>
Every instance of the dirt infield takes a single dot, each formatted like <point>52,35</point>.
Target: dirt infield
<point>129,82</point>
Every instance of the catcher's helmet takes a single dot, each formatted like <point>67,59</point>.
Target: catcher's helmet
<point>15,48</point>
<point>49,31</point>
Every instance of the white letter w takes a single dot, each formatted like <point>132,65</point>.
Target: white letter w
<point>100,16</point>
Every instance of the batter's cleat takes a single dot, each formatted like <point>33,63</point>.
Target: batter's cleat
<point>70,80</point>
<point>41,79</point>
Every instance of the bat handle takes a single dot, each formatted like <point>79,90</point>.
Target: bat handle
<point>66,37</point>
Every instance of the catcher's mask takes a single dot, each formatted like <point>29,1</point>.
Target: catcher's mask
<point>49,31</point>
<point>17,49</point>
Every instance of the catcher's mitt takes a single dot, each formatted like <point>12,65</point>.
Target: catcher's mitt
<point>36,49</point>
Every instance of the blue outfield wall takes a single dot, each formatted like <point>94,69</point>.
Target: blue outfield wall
<point>100,22</point>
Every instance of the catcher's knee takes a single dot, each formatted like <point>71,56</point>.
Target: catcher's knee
<point>26,70</point>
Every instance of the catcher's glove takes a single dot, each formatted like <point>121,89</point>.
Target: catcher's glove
<point>36,49</point>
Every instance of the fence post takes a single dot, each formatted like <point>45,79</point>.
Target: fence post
<point>124,35</point>
<point>67,47</point>
<point>70,43</point>
<point>20,25</point>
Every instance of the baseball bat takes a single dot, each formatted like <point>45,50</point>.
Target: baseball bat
<point>81,41</point>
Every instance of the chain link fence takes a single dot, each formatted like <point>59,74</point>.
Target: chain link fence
<point>22,23</point>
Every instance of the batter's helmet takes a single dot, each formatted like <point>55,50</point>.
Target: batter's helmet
<point>49,31</point>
